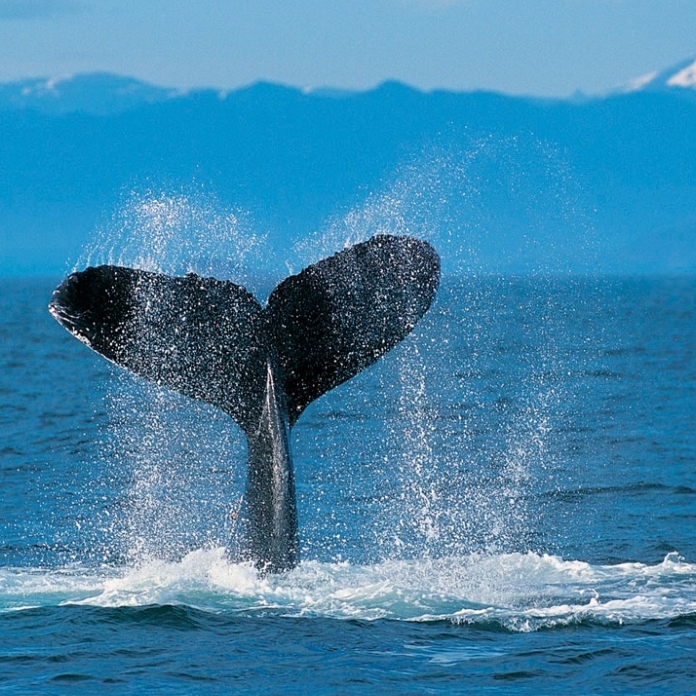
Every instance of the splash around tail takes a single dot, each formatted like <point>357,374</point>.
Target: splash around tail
<point>211,340</point>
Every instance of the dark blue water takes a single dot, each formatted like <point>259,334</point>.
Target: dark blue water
<point>506,503</point>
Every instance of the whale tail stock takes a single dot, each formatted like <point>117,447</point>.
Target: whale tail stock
<point>211,340</point>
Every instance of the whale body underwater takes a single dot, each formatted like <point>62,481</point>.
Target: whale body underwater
<point>211,340</point>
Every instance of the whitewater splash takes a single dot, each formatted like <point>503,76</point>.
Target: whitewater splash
<point>435,477</point>
<point>444,470</point>
<point>517,592</point>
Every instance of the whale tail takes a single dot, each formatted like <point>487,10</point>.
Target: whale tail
<point>211,340</point>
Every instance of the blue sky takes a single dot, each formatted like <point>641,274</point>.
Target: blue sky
<point>540,47</point>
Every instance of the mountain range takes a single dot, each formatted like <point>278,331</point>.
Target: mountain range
<point>501,184</point>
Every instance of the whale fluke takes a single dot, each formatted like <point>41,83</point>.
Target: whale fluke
<point>211,340</point>
<point>202,337</point>
<point>340,315</point>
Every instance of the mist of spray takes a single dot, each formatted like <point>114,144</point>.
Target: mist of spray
<point>436,478</point>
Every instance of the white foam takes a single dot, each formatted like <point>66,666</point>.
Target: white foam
<point>522,592</point>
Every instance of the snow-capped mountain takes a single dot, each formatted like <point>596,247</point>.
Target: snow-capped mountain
<point>601,184</point>
<point>94,93</point>
<point>100,94</point>
<point>677,77</point>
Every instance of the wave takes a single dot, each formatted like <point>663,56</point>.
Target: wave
<point>518,592</point>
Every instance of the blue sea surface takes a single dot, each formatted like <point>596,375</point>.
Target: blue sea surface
<point>506,503</point>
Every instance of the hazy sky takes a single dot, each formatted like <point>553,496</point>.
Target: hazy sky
<point>541,47</point>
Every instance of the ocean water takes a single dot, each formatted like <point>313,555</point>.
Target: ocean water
<point>506,503</point>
